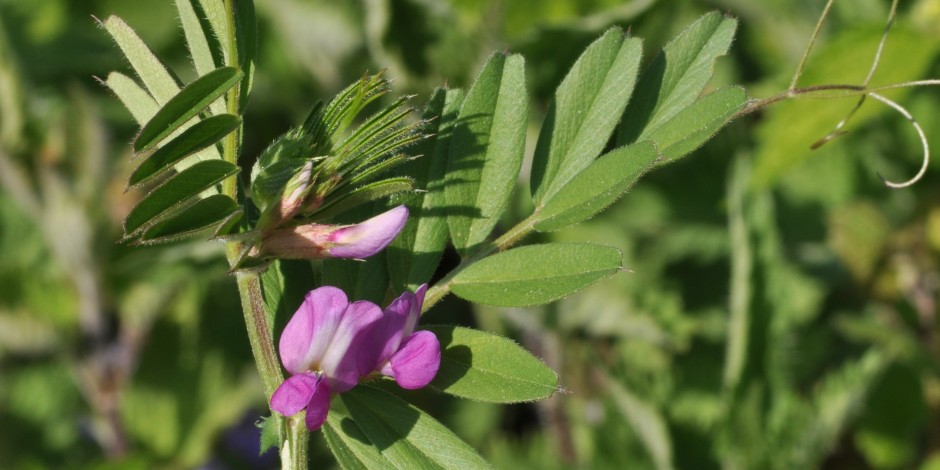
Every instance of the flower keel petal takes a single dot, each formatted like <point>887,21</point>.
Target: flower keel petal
<point>295,392</point>
<point>318,406</point>
<point>417,362</point>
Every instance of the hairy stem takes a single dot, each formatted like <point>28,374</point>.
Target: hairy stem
<point>293,436</point>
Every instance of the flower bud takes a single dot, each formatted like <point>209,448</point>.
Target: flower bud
<point>313,241</point>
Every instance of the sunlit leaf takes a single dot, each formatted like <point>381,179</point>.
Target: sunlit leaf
<point>597,187</point>
<point>588,104</point>
<point>197,39</point>
<point>350,446</point>
<point>185,105</point>
<point>486,150</point>
<point>486,367</point>
<point>200,43</point>
<point>695,124</point>
<point>676,76</point>
<point>405,436</point>
<point>415,253</point>
<point>536,274</point>
<point>141,105</point>
<point>155,76</point>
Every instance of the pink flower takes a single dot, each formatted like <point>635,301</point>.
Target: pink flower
<point>319,348</point>
<point>330,344</point>
<point>396,350</point>
<point>313,241</point>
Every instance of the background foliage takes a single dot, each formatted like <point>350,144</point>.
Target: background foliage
<point>781,312</point>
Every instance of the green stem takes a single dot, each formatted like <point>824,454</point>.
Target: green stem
<point>261,338</point>
<point>507,240</point>
<point>294,447</point>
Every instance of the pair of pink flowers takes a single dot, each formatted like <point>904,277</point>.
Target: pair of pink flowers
<point>330,345</point>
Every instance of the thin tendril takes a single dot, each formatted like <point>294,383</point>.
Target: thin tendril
<point>809,47</point>
<point>837,131</point>
<point>923,141</point>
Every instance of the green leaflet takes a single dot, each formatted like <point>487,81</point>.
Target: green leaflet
<point>175,192</point>
<point>217,18</point>
<point>416,252</point>
<point>156,77</point>
<point>200,42</point>
<point>536,274</point>
<point>597,187</point>
<point>588,104</point>
<point>404,436</point>
<point>201,135</point>
<point>486,151</point>
<point>246,40</point>
<point>185,105</point>
<point>349,445</point>
<point>141,105</point>
<point>197,218</point>
<point>366,193</point>
<point>486,367</point>
<point>197,39</point>
<point>698,122</point>
<point>676,76</point>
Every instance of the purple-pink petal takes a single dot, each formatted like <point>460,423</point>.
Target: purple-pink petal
<point>414,312</point>
<point>386,335</point>
<point>340,362</point>
<point>295,392</point>
<point>417,362</point>
<point>368,237</point>
<point>309,333</point>
<point>318,406</point>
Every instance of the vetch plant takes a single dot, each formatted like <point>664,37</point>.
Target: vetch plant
<point>322,191</point>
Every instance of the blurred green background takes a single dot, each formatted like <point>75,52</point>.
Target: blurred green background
<point>781,312</point>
